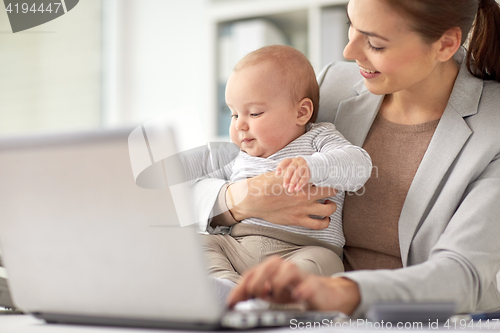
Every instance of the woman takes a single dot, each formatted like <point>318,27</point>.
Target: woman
<point>428,219</point>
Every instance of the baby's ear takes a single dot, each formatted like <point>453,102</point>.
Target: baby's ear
<point>305,111</point>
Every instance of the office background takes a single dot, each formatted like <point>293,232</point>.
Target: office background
<point>104,63</point>
<point>109,63</point>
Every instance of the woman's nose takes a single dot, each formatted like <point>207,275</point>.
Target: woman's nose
<point>354,48</point>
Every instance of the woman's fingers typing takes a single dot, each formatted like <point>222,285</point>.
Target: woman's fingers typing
<point>257,283</point>
<point>287,277</point>
<point>253,283</point>
<point>273,280</point>
<point>280,281</point>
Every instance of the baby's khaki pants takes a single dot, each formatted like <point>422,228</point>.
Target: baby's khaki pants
<point>247,245</point>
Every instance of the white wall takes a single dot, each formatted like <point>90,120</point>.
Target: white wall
<point>68,75</point>
<point>160,53</point>
<point>50,75</point>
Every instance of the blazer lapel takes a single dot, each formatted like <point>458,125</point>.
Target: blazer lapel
<point>355,115</point>
<point>451,134</point>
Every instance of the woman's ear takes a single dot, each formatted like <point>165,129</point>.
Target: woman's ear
<point>448,44</point>
<point>305,111</point>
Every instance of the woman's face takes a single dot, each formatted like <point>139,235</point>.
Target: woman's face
<point>391,56</point>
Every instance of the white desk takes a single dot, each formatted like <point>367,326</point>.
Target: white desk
<point>30,324</point>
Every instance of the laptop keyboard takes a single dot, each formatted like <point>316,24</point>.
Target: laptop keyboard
<point>269,318</point>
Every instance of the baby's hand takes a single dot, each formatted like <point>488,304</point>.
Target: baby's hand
<point>296,173</point>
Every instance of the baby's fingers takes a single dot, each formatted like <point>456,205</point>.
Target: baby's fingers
<point>300,177</point>
<point>282,166</point>
<point>289,173</point>
<point>301,183</point>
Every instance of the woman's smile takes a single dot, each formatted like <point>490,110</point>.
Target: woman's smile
<point>367,73</point>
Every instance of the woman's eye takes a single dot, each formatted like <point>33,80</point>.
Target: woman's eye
<point>376,49</point>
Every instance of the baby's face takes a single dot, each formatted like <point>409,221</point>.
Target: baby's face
<point>264,119</point>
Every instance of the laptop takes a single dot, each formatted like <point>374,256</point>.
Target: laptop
<point>83,244</point>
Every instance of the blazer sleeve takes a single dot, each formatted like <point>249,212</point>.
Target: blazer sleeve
<point>208,170</point>
<point>462,264</point>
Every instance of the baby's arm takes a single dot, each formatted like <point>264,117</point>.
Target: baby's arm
<point>338,164</point>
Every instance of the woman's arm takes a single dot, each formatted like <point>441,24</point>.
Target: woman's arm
<point>222,204</point>
<point>222,215</point>
<point>462,264</point>
<point>265,197</point>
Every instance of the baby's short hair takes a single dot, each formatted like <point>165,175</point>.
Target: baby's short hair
<point>293,67</point>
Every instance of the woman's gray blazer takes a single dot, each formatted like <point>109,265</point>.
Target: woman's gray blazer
<point>449,228</point>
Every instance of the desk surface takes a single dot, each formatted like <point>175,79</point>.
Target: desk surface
<point>29,324</point>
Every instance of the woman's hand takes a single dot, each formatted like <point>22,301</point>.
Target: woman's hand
<point>279,281</point>
<point>265,197</point>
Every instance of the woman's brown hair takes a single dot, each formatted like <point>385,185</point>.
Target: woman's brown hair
<point>432,18</point>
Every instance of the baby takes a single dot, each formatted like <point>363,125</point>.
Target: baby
<point>273,96</point>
